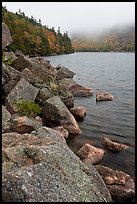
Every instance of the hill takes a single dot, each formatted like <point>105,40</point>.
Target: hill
<point>117,39</point>
<point>32,38</point>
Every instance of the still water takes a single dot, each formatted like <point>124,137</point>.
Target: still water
<point>113,73</point>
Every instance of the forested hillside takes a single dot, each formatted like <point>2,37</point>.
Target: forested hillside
<point>117,40</point>
<point>32,38</point>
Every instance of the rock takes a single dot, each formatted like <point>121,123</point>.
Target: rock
<point>104,97</point>
<point>56,113</point>
<point>55,175</point>
<point>62,130</point>
<point>30,77</point>
<point>120,184</point>
<point>43,95</point>
<point>10,56</point>
<point>6,36</point>
<point>9,73</point>
<point>78,112</point>
<point>24,124</point>
<point>21,63</point>
<point>6,116</point>
<point>90,154</point>
<point>80,91</point>
<point>18,53</point>
<point>22,91</point>
<point>113,146</point>
<point>63,72</point>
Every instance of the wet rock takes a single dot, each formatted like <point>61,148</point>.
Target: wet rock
<point>56,113</point>
<point>80,91</point>
<point>63,72</point>
<point>113,146</point>
<point>62,130</point>
<point>120,185</point>
<point>6,116</point>
<point>22,91</point>
<point>78,112</point>
<point>104,97</point>
<point>24,124</point>
<point>6,36</point>
<point>90,154</point>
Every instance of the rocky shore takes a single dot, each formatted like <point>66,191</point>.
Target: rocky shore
<point>38,116</point>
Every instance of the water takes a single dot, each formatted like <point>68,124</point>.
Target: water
<point>113,73</point>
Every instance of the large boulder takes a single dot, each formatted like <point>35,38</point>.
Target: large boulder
<point>22,91</point>
<point>90,154</point>
<point>56,113</point>
<point>120,184</point>
<point>47,171</point>
<point>6,36</point>
<point>113,146</point>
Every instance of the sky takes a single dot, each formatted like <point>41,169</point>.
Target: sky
<point>77,16</point>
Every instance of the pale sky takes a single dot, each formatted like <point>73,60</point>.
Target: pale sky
<point>77,16</point>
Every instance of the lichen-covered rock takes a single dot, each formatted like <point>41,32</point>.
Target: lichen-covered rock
<point>120,184</point>
<point>104,97</point>
<point>113,146</point>
<point>78,112</point>
<point>6,116</point>
<point>22,91</point>
<point>56,175</point>
<point>90,154</point>
<point>24,124</point>
<point>63,72</point>
<point>56,113</point>
<point>6,36</point>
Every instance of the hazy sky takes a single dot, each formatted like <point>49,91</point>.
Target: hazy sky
<point>77,16</point>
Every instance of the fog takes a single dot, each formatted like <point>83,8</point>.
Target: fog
<point>78,17</point>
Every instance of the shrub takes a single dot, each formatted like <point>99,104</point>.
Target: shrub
<point>29,108</point>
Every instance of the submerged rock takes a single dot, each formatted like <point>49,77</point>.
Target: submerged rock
<point>113,146</point>
<point>120,185</point>
<point>78,112</point>
<point>90,154</point>
<point>104,97</point>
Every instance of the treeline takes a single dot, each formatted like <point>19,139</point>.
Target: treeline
<point>116,41</point>
<point>32,38</point>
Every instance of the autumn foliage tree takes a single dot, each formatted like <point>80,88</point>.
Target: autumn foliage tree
<point>32,38</point>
